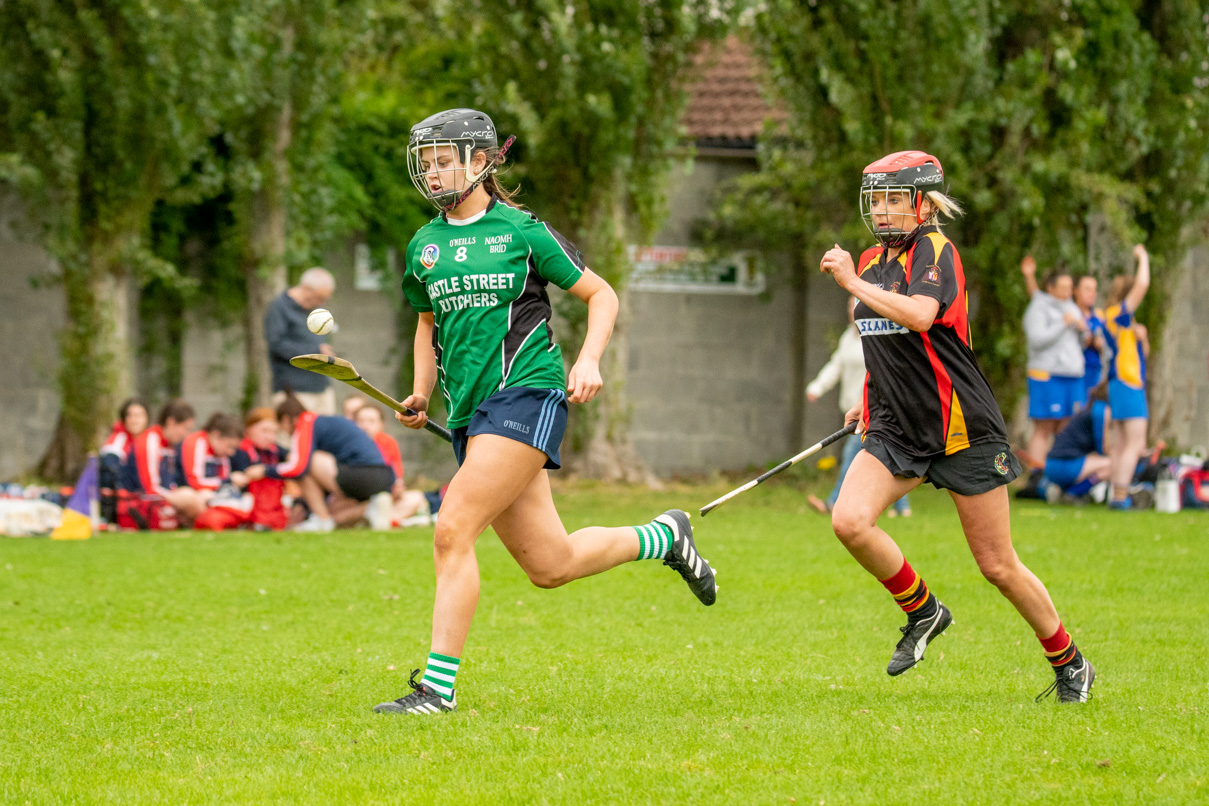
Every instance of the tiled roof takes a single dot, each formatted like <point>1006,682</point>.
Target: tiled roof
<point>727,106</point>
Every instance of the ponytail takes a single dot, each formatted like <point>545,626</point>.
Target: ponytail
<point>492,184</point>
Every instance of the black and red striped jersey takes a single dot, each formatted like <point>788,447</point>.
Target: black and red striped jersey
<point>924,393</point>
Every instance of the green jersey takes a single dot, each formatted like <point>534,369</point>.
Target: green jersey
<point>484,281</point>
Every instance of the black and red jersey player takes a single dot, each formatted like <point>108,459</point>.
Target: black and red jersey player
<point>928,414</point>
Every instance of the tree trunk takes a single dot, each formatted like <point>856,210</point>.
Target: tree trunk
<point>97,363</point>
<point>264,260</point>
<point>799,285</point>
<point>609,453</point>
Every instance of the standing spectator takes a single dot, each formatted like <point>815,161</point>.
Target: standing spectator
<point>1087,291</point>
<point>846,367</point>
<point>287,335</point>
<point>1127,376</point>
<point>1054,328</point>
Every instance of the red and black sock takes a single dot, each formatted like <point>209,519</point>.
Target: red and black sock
<point>910,592</point>
<point>1059,648</point>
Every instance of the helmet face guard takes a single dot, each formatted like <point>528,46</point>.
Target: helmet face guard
<point>443,146</point>
<point>905,174</point>
<point>457,177</point>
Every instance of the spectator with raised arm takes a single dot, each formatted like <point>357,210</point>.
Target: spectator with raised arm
<point>1127,376</point>
<point>1054,328</point>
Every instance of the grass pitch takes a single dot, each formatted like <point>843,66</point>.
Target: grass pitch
<point>242,668</point>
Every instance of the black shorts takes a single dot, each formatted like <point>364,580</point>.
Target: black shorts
<point>975,470</point>
<point>363,482</point>
<point>536,417</point>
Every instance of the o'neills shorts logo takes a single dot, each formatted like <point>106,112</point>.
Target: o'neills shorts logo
<point>879,327</point>
<point>428,257</point>
<point>1001,463</point>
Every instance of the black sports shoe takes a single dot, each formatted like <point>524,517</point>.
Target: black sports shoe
<point>683,557</point>
<point>421,700</point>
<point>1072,680</point>
<point>916,635</point>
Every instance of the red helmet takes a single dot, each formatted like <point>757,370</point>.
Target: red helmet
<point>911,172</point>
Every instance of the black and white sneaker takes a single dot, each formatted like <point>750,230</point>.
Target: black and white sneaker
<point>916,635</point>
<point>1072,681</point>
<point>421,700</point>
<point>683,557</point>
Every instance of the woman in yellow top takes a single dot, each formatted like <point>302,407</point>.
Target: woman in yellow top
<point>1126,376</point>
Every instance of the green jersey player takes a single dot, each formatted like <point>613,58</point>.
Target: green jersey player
<point>477,275</point>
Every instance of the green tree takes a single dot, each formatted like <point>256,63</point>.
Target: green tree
<point>1051,118</point>
<point>104,105</point>
<point>285,61</point>
<point>595,92</point>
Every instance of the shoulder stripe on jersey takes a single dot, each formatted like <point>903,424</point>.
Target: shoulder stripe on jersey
<point>301,446</point>
<point>149,462</point>
<point>117,445</point>
<point>573,254</point>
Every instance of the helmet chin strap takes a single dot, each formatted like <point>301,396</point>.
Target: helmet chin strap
<point>476,179</point>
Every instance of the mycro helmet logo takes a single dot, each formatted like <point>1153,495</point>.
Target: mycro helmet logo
<point>429,255</point>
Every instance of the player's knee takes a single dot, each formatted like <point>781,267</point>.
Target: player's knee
<point>998,572</point>
<point>849,524</point>
<point>447,538</point>
<point>547,579</point>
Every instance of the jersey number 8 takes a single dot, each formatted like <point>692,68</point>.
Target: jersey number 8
<point>460,255</point>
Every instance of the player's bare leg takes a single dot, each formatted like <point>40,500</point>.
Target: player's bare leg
<point>1128,445</point>
<point>320,479</point>
<point>534,534</point>
<point>986,521</point>
<point>985,518</point>
<point>869,488</point>
<point>502,483</point>
<point>494,474</point>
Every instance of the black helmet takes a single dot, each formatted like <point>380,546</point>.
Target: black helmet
<point>465,131</point>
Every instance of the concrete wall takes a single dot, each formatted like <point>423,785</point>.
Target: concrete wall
<point>30,318</point>
<point>710,374</point>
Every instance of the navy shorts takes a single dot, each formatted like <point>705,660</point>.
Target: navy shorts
<point>536,417</point>
<point>974,470</point>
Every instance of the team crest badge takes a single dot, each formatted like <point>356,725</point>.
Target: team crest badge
<point>429,255</point>
<point>894,288</point>
<point>1001,463</point>
<point>932,275</point>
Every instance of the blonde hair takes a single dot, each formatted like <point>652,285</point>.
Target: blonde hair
<point>1122,284</point>
<point>943,205</point>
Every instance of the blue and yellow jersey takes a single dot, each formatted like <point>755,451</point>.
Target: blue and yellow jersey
<point>1091,353</point>
<point>1127,364</point>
